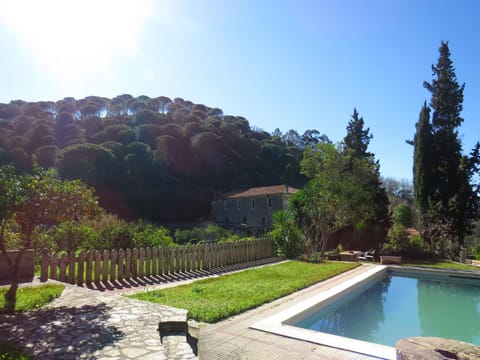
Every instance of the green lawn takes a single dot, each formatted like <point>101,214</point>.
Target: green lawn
<point>28,298</point>
<point>214,299</point>
<point>443,264</point>
<point>34,297</point>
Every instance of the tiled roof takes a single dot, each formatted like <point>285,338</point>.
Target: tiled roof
<point>263,190</point>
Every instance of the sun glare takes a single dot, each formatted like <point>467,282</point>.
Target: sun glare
<point>74,39</point>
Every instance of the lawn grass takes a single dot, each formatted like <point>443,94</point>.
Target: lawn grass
<point>33,297</point>
<point>9,352</point>
<point>214,299</point>
<point>28,298</point>
<point>443,264</point>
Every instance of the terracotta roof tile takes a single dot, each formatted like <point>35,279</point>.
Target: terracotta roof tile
<point>263,190</point>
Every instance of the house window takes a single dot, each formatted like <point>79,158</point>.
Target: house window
<point>253,203</point>
<point>244,221</point>
<point>269,202</point>
<point>263,221</point>
<point>238,204</point>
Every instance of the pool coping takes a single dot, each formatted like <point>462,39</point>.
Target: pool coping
<point>279,323</point>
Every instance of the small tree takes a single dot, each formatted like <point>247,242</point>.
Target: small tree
<point>40,199</point>
<point>339,193</point>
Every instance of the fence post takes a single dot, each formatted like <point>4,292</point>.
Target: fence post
<point>105,265</point>
<point>194,258</point>
<point>148,261</point>
<point>113,265</point>
<point>244,251</point>
<point>121,265</point>
<point>141,262</point>
<point>173,264</point>
<point>88,278</point>
<point>154,261</point>
<point>206,255</point>
<point>53,267</point>
<point>44,265</point>
<point>71,267</point>
<point>128,266</point>
<point>80,263</point>
<point>97,265</point>
<point>235,253</point>
<point>184,258</point>
<point>167,267</point>
<point>134,263</point>
<point>63,267</point>
<point>161,261</point>
<point>216,248</point>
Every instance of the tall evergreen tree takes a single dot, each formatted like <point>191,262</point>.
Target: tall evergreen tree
<point>449,196</point>
<point>358,138</point>
<point>422,168</point>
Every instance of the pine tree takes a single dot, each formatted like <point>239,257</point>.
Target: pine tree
<point>357,140</point>
<point>357,137</point>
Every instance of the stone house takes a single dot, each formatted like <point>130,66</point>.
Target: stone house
<point>251,210</point>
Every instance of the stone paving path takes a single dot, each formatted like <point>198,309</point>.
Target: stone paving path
<point>99,323</point>
<point>87,324</point>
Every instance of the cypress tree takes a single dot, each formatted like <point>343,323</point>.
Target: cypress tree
<point>446,102</point>
<point>422,164</point>
<point>443,189</point>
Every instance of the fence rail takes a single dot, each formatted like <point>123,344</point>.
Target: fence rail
<point>114,265</point>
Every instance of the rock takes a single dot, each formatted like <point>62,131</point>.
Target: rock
<point>433,348</point>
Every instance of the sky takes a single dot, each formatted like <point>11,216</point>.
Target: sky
<point>287,64</point>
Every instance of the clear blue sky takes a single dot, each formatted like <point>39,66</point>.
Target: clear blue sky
<point>288,64</point>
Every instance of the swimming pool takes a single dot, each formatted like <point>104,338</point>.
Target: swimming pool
<point>371,312</point>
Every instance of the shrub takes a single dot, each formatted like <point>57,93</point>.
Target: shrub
<point>209,233</point>
<point>447,249</point>
<point>401,244</point>
<point>286,235</point>
<point>188,236</point>
<point>120,236</point>
<point>147,235</point>
<point>403,215</point>
<point>70,236</point>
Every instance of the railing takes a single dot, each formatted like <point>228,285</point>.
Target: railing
<point>113,265</point>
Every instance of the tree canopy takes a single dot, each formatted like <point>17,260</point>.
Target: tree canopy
<point>153,158</point>
<point>338,194</point>
<point>358,138</point>
<point>38,199</point>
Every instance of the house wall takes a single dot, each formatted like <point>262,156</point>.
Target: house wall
<point>235,212</point>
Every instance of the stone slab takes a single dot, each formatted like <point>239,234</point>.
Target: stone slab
<point>434,348</point>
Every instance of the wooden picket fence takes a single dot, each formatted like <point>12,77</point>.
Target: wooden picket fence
<point>113,265</point>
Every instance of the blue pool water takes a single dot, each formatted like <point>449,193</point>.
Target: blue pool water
<point>403,305</point>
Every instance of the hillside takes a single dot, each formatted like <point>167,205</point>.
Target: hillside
<point>152,158</point>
